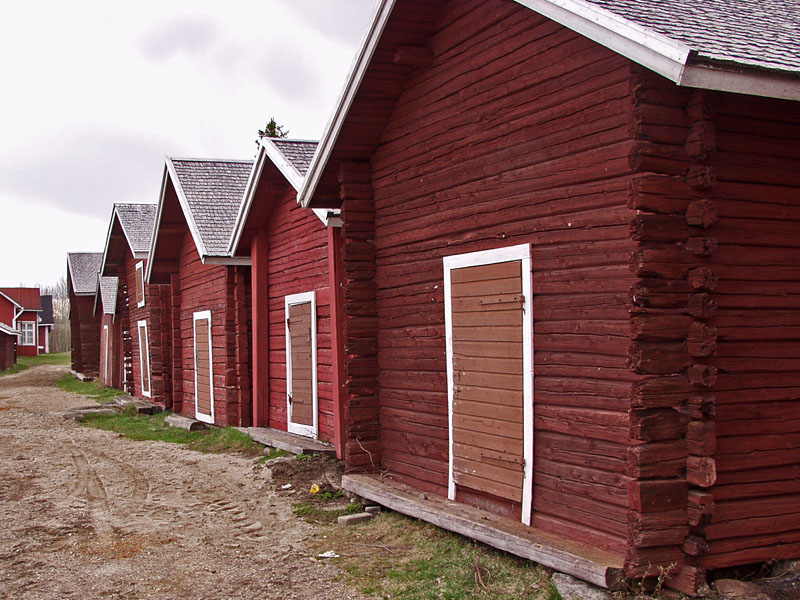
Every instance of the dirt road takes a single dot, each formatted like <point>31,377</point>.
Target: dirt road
<point>88,514</point>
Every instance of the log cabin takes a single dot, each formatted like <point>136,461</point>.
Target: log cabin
<point>138,306</point>
<point>27,319</point>
<point>112,357</point>
<point>294,370</point>
<point>8,346</point>
<point>571,314</point>
<point>205,326</point>
<point>82,270</point>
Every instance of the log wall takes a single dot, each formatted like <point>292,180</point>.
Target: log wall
<point>297,263</point>
<point>8,351</point>
<point>518,132</point>
<point>198,287</point>
<point>84,327</point>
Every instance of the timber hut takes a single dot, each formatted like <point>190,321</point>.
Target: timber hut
<point>572,304</point>
<point>8,346</point>
<point>208,308</point>
<point>82,269</point>
<point>139,307</point>
<point>295,379</point>
<point>112,357</point>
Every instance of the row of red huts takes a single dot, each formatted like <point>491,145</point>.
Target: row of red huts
<point>540,268</point>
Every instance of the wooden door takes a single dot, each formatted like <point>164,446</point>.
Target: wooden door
<point>301,364</point>
<point>104,376</point>
<point>144,358</point>
<point>490,377</point>
<point>203,368</point>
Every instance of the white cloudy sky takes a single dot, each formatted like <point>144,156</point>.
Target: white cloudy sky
<point>94,94</point>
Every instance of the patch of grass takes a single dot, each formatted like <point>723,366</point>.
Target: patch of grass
<point>304,457</point>
<point>155,428</point>
<point>273,454</point>
<point>313,513</point>
<point>25,362</point>
<point>399,557</point>
<point>93,389</point>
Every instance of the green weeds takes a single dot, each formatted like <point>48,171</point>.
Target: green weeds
<point>93,389</point>
<point>26,362</point>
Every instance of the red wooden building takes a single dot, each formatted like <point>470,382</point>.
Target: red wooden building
<point>205,325</point>
<point>138,353</point>
<point>82,270</point>
<point>8,346</point>
<point>112,356</point>
<point>569,239</point>
<point>294,374</point>
<point>29,308</point>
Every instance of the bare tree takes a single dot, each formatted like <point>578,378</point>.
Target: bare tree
<point>60,338</point>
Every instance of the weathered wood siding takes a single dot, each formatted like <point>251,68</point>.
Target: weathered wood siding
<point>757,391</point>
<point>518,132</point>
<point>223,291</point>
<point>298,263</point>
<point>84,327</point>
<point>8,355</point>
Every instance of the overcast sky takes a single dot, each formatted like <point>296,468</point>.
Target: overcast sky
<point>94,94</point>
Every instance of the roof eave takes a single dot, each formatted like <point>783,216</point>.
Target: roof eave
<point>247,201</point>
<point>381,14</point>
<point>753,82</point>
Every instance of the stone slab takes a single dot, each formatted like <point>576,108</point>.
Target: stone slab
<point>296,444</point>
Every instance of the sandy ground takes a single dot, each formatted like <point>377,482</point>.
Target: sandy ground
<point>88,514</point>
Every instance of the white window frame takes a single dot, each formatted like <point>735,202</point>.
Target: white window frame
<point>201,316</point>
<point>521,253</point>
<point>26,327</point>
<point>139,274</point>
<point>304,430</point>
<point>144,359</point>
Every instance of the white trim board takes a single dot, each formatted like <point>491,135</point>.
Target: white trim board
<point>203,315</point>
<point>520,253</point>
<point>106,378</point>
<point>144,359</point>
<point>305,430</point>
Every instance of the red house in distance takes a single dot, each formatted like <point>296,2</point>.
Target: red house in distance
<point>569,243</point>
<point>28,301</point>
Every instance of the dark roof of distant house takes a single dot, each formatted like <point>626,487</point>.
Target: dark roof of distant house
<point>46,318</point>
<point>83,268</point>
<point>213,191</point>
<point>757,33</point>
<point>108,294</point>
<point>137,223</point>
<point>27,298</point>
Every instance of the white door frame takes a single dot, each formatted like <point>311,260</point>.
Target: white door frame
<point>202,316</point>
<point>521,253</point>
<point>305,430</point>
<point>144,359</point>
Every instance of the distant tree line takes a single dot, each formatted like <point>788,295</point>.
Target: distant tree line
<point>60,338</point>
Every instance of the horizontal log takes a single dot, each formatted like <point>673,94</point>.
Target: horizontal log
<point>657,495</point>
<point>701,471</point>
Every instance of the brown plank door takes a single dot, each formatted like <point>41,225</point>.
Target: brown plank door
<point>203,368</point>
<point>301,364</point>
<point>144,358</point>
<point>489,338</point>
<point>140,284</point>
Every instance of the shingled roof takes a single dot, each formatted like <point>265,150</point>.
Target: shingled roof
<point>137,222</point>
<point>82,268</point>
<point>213,191</point>
<point>758,33</point>
<point>297,153</point>
<point>108,294</point>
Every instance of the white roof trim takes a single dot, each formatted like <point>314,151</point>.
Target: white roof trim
<point>359,67</point>
<point>267,149</point>
<point>171,174</point>
<point>136,255</point>
<point>15,303</point>
<point>6,329</point>
<point>664,55</point>
<point>231,261</point>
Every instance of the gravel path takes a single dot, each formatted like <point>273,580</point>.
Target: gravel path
<point>88,514</point>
